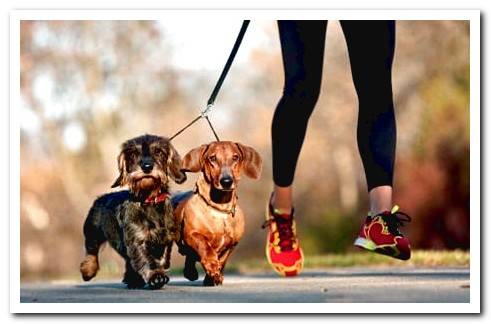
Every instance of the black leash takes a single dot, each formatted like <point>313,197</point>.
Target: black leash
<point>214,94</point>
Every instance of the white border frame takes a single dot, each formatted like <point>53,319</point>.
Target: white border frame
<point>475,166</point>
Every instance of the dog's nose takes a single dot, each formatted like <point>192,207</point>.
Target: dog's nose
<point>226,182</point>
<point>147,166</point>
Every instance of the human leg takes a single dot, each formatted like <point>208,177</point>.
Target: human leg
<point>302,45</point>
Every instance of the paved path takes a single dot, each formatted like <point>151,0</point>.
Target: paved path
<point>333,285</point>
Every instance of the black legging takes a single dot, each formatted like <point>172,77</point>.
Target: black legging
<point>371,51</point>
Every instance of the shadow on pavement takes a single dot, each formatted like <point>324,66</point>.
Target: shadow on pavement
<point>110,285</point>
<point>122,286</point>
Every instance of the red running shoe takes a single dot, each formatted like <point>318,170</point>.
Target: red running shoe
<point>380,234</point>
<point>282,247</point>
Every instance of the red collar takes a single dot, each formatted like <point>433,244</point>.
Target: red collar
<point>156,199</point>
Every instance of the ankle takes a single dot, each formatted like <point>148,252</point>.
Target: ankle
<point>283,212</point>
<point>376,211</point>
<point>281,206</point>
<point>281,199</point>
<point>282,209</point>
<point>380,199</point>
<point>377,207</point>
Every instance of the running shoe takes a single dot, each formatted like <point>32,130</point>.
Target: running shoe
<point>380,233</point>
<point>282,246</point>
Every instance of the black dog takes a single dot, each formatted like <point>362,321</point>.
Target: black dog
<point>138,223</point>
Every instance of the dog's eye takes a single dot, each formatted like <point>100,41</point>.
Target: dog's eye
<point>212,158</point>
<point>131,154</point>
<point>235,158</point>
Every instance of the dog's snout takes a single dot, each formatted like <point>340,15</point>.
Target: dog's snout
<point>146,165</point>
<point>226,182</point>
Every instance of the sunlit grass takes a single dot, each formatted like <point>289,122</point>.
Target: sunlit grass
<point>456,258</point>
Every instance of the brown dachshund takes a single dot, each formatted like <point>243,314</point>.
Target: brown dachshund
<point>212,223</point>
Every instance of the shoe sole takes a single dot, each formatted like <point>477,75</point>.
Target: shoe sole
<point>389,250</point>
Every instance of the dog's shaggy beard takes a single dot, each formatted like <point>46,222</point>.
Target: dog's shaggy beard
<point>144,185</point>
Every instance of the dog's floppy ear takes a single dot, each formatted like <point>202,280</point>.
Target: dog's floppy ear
<point>193,160</point>
<point>174,165</point>
<point>252,162</point>
<point>122,170</point>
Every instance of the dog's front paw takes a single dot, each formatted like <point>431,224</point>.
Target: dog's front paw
<point>190,272</point>
<point>215,279</point>
<point>157,281</point>
<point>89,267</point>
<point>133,280</point>
<point>208,281</point>
<point>135,284</point>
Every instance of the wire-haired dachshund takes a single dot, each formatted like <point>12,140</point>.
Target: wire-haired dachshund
<point>211,221</point>
<point>138,223</point>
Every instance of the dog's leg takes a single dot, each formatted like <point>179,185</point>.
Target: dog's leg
<point>136,243</point>
<point>168,254</point>
<point>94,238</point>
<point>224,258</point>
<point>209,259</point>
<point>160,266</point>
<point>222,261</point>
<point>131,278</point>
<point>161,251</point>
<point>190,272</point>
<point>147,257</point>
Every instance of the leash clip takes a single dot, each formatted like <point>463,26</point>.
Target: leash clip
<point>204,113</point>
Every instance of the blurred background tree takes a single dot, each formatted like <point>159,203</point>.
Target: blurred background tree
<point>86,86</point>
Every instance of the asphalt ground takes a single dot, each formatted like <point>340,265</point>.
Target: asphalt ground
<point>350,285</point>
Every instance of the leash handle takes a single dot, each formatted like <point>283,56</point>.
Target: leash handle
<point>228,64</point>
